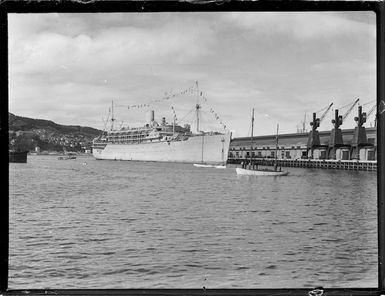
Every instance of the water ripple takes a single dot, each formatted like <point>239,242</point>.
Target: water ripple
<point>138,225</point>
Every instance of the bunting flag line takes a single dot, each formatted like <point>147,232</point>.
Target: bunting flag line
<point>212,111</point>
<point>173,111</point>
<point>167,96</point>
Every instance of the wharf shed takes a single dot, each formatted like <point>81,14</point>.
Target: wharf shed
<point>295,146</point>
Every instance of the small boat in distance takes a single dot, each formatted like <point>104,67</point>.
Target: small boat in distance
<point>67,156</point>
<point>261,172</point>
<point>202,164</point>
<point>17,156</point>
<point>18,150</point>
<point>252,168</point>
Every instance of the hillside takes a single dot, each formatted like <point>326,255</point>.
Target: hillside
<point>27,134</point>
<point>17,123</point>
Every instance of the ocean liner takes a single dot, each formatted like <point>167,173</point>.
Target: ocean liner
<point>163,142</point>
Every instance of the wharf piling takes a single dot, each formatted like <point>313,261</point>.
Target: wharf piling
<point>352,165</point>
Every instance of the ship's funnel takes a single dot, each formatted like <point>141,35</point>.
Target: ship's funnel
<point>150,116</point>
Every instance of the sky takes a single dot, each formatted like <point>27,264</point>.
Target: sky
<point>68,68</point>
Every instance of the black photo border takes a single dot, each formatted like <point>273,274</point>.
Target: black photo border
<point>85,6</point>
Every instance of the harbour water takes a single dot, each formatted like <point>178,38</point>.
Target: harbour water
<point>85,223</point>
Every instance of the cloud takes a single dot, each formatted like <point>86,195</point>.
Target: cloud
<point>303,25</point>
<point>68,67</point>
<point>56,68</point>
<point>47,52</point>
<point>364,66</point>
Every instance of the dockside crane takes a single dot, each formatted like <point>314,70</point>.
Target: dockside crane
<point>336,140</point>
<point>317,121</point>
<point>360,140</point>
<point>314,139</point>
<point>371,110</point>
<point>339,119</point>
<point>363,116</point>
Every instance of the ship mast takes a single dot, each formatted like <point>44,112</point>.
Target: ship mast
<point>173,125</point>
<point>252,131</point>
<point>276,149</point>
<point>112,115</point>
<point>197,107</point>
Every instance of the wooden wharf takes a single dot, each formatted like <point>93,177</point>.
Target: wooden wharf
<point>352,165</point>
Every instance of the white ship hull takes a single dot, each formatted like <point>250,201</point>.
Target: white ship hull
<point>210,149</point>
